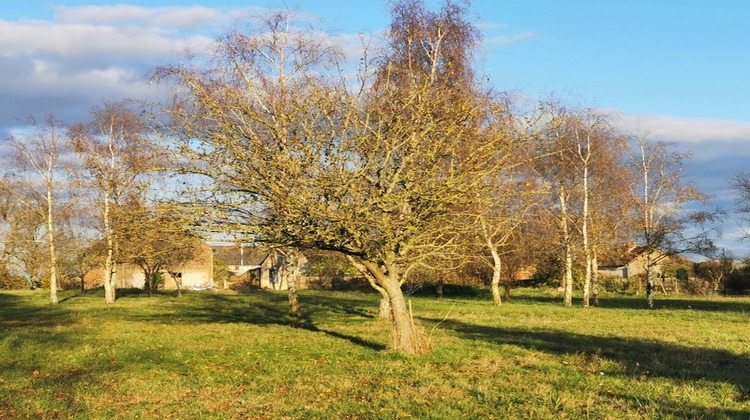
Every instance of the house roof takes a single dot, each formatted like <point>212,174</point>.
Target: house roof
<point>627,256</point>
<point>623,256</point>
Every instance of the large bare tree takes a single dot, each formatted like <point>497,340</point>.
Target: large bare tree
<point>295,154</point>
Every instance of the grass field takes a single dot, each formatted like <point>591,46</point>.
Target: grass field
<point>229,355</point>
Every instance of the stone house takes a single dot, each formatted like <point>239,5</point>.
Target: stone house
<point>633,263</point>
<point>262,268</point>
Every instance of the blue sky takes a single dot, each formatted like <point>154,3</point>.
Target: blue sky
<point>677,69</point>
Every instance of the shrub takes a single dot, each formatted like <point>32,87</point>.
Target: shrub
<point>737,282</point>
<point>612,283</point>
<point>12,282</point>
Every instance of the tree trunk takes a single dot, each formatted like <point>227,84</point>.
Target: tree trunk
<point>406,337</point>
<point>495,284</point>
<point>496,266</point>
<point>595,277</point>
<point>439,288</point>
<point>649,282</point>
<point>291,282</point>
<point>109,262</point>
<point>293,297</point>
<point>52,252</point>
<point>585,233</point>
<point>384,308</point>
<point>507,286</point>
<point>292,261</point>
<point>568,274</point>
<point>151,277</point>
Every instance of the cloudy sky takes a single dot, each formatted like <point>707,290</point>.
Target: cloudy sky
<point>677,69</point>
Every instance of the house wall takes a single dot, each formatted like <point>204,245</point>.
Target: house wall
<point>198,273</point>
<point>621,272</point>
<point>274,274</point>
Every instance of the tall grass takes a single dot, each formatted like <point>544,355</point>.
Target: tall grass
<point>228,355</point>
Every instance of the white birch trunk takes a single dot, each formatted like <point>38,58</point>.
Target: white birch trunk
<point>51,244</point>
<point>496,271</point>
<point>568,273</point>
<point>585,232</point>
<point>496,266</point>
<point>109,262</point>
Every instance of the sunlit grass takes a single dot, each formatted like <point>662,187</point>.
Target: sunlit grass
<point>226,355</point>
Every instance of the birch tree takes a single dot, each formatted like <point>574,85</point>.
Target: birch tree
<point>116,156</point>
<point>293,153</point>
<point>740,183</point>
<point>36,185</point>
<point>665,226</point>
<point>597,151</point>
<point>499,225</point>
<point>557,167</point>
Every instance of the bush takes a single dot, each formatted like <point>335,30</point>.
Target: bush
<point>737,282</point>
<point>221,272</point>
<point>612,283</point>
<point>11,282</point>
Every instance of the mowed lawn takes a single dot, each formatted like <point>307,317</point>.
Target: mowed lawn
<point>231,355</point>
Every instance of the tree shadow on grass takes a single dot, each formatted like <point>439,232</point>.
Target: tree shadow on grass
<point>660,302</point>
<point>270,308</point>
<point>24,311</point>
<point>640,359</point>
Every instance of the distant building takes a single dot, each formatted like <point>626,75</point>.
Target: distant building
<point>262,268</point>
<point>195,274</point>
<point>633,263</point>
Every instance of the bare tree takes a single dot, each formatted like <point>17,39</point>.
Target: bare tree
<point>35,184</point>
<point>294,155</point>
<point>666,228</point>
<point>557,165</point>
<point>715,272</point>
<point>741,185</point>
<point>512,191</point>
<point>500,223</point>
<point>116,155</point>
<point>598,149</point>
<point>155,239</point>
<point>609,221</point>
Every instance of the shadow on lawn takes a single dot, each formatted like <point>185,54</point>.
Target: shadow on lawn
<point>25,311</point>
<point>641,359</point>
<point>639,302</point>
<point>269,308</point>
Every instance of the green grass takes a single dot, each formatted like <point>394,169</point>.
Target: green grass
<point>227,355</point>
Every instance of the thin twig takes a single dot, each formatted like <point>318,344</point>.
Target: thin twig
<point>429,338</point>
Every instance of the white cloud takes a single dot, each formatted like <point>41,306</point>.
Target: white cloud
<point>189,17</point>
<point>686,130</point>
<point>89,54</point>
<point>80,40</point>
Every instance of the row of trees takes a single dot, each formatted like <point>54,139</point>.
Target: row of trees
<point>81,197</point>
<point>403,164</point>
